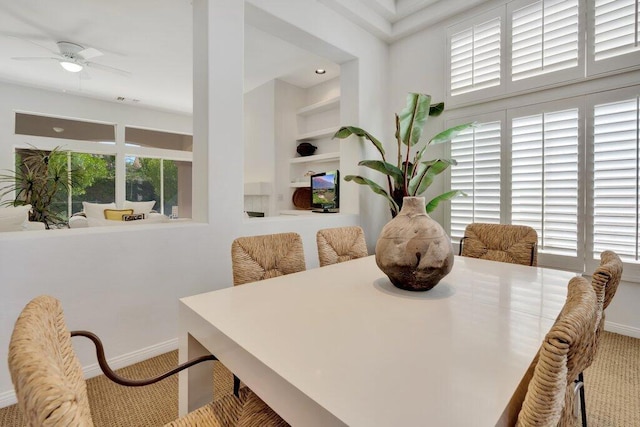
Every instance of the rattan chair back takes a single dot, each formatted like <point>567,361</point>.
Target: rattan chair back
<point>256,258</point>
<point>51,389</point>
<point>565,353</point>
<point>516,244</point>
<point>605,281</point>
<point>340,244</point>
<point>45,371</point>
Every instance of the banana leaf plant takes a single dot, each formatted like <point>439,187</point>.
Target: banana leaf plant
<point>409,176</point>
<point>40,179</point>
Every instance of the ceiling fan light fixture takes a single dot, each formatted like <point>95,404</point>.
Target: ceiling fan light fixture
<point>72,67</point>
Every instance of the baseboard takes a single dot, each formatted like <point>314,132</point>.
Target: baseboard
<point>9,397</point>
<point>621,329</point>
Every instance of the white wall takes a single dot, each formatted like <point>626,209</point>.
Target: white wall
<point>125,284</point>
<point>426,53</point>
<point>259,146</point>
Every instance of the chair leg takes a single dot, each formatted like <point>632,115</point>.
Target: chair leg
<point>583,403</point>
<point>236,386</point>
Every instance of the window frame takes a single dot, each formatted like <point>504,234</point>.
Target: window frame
<point>626,61</point>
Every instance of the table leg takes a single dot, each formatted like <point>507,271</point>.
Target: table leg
<point>196,383</point>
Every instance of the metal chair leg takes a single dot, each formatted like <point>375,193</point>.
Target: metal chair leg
<point>236,386</point>
<point>583,403</point>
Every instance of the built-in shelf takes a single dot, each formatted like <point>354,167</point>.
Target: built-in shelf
<point>326,157</point>
<point>317,134</point>
<point>319,107</point>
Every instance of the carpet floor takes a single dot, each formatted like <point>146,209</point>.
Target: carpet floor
<point>612,385</point>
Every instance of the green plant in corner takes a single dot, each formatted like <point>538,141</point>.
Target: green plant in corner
<point>410,176</point>
<point>39,177</point>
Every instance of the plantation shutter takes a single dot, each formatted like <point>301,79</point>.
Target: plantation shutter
<point>477,173</point>
<point>475,57</point>
<point>544,192</point>
<point>616,28</point>
<point>544,38</point>
<point>615,179</point>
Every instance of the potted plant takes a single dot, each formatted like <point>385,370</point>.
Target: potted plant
<point>38,179</point>
<point>409,176</point>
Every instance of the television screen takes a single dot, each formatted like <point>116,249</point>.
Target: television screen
<point>325,191</point>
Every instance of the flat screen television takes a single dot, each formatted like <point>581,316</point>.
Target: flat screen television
<point>325,192</point>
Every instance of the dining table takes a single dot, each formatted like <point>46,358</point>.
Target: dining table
<point>340,345</point>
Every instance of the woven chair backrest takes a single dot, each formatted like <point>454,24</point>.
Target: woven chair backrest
<point>262,257</point>
<point>565,352</point>
<point>45,371</point>
<point>516,244</point>
<point>605,281</point>
<point>340,244</point>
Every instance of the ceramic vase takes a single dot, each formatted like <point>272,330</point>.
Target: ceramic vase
<point>413,250</point>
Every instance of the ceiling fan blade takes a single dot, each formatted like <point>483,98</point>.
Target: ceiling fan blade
<point>107,68</point>
<point>24,39</point>
<point>34,58</point>
<point>89,53</point>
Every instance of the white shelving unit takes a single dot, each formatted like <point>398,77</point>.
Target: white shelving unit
<point>319,107</point>
<point>316,123</point>
<point>317,134</point>
<point>317,158</point>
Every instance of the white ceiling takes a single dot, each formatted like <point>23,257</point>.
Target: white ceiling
<point>152,39</point>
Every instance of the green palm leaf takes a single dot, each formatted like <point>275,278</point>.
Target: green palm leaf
<point>433,204</point>
<point>346,131</point>
<point>374,187</point>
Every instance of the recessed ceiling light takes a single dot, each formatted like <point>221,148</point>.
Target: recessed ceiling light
<point>58,129</point>
<point>321,71</point>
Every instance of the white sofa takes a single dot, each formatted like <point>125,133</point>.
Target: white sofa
<point>108,214</point>
<point>16,218</point>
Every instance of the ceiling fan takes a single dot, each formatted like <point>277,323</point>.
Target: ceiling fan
<point>74,58</point>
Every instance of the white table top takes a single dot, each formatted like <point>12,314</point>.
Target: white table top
<point>375,355</point>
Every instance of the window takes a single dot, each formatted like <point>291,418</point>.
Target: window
<point>522,45</point>
<point>146,165</point>
<point>613,35</point>
<point>615,178</point>
<point>544,178</point>
<point>544,38</point>
<point>95,181</point>
<point>168,182</point>
<point>475,57</point>
<point>477,173</point>
<point>569,154</point>
<point>616,28</point>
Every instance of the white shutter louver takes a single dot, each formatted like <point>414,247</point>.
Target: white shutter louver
<point>475,57</point>
<point>544,38</point>
<point>477,152</point>
<point>615,176</point>
<point>616,28</point>
<point>544,192</point>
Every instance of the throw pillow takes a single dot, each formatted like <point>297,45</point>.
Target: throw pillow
<point>96,210</point>
<point>140,207</point>
<point>14,218</point>
<point>116,214</point>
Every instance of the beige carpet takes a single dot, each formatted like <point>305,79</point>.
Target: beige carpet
<point>612,388</point>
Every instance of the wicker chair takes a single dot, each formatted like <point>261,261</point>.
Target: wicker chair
<point>340,244</point>
<point>565,352</point>
<point>257,258</point>
<point>52,391</point>
<point>605,282</point>
<point>516,244</point>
